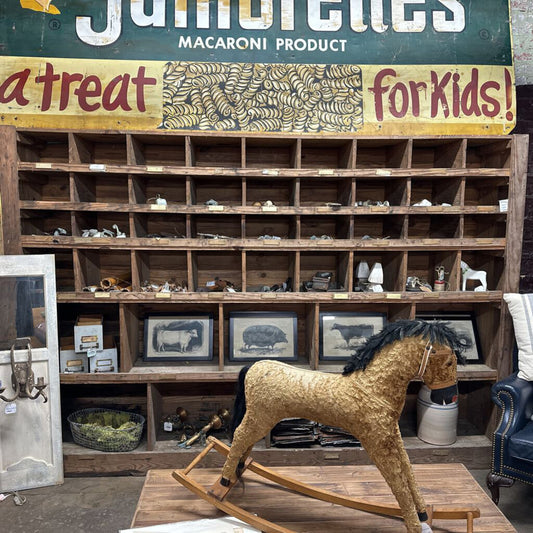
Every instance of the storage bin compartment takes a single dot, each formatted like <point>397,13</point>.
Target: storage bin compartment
<point>379,226</point>
<point>159,267</point>
<point>281,226</point>
<point>437,191</point>
<point>226,192</point>
<point>160,226</point>
<point>100,221</point>
<point>207,266</point>
<point>281,192</point>
<point>382,153</point>
<point>264,152</point>
<point>321,226</point>
<point>437,153</point>
<point>44,222</point>
<point>269,269</point>
<point>203,226</point>
<point>488,153</point>
<point>486,192</point>
<point>434,227</point>
<point>216,152</point>
<point>423,265</point>
<point>327,153</point>
<point>95,266</point>
<point>319,191</point>
<point>392,264</point>
<point>98,148</point>
<point>375,192</point>
<point>44,186</point>
<point>103,188</point>
<point>485,226</point>
<point>318,261</point>
<point>43,147</point>
<point>147,188</point>
<point>150,150</point>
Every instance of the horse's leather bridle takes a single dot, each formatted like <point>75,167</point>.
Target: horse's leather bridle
<point>423,366</point>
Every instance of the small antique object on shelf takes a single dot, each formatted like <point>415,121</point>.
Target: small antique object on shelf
<point>176,421</point>
<point>478,277</point>
<point>215,422</point>
<point>440,283</point>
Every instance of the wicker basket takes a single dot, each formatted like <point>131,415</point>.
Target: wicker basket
<point>106,430</point>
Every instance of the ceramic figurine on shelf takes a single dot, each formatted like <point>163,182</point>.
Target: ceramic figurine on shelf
<point>439,284</point>
<point>375,278</point>
<point>475,275</point>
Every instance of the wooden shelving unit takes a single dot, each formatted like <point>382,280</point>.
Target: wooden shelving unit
<point>82,179</point>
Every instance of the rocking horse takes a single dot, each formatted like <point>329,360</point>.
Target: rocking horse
<point>366,400</point>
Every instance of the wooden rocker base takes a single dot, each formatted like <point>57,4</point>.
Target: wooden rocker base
<point>215,495</point>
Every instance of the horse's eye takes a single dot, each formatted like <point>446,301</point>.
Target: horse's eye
<point>449,363</point>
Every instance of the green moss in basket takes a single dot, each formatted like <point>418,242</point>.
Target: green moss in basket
<point>108,428</point>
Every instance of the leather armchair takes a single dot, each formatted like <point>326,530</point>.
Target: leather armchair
<point>512,445</point>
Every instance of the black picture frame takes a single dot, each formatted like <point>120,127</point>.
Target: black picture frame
<point>341,333</point>
<point>464,324</point>
<point>178,337</point>
<point>259,335</point>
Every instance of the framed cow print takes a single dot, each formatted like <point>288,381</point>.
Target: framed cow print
<point>262,335</point>
<point>178,337</point>
<point>342,333</point>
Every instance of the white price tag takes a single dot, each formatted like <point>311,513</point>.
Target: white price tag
<point>167,426</point>
<point>91,352</point>
<point>11,408</point>
<point>503,205</point>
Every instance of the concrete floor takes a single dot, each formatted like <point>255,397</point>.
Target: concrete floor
<point>107,504</point>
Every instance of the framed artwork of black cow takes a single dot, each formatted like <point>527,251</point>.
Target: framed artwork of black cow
<point>178,337</point>
<point>342,333</point>
<point>263,335</point>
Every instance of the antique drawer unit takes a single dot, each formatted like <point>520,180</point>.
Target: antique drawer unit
<point>333,201</point>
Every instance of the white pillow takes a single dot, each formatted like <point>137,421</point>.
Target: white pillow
<point>521,309</point>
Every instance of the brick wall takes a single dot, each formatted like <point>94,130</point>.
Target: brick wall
<point>524,124</point>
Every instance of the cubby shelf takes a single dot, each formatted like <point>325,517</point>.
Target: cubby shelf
<point>359,191</point>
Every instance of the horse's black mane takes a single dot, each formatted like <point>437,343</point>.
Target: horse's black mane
<point>435,331</point>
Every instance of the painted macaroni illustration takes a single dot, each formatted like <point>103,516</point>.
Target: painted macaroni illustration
<point>262,97</point>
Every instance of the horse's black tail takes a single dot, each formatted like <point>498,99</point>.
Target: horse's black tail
<point>239,407</point>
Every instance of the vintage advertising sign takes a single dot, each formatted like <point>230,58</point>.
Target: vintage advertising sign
<point>360,67</point>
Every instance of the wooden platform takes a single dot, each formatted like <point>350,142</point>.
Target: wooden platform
<point>163,500</point>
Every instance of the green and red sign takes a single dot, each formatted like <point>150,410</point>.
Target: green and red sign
<point>294,66</point>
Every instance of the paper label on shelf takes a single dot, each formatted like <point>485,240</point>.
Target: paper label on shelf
<point>379,208</point>
<point>43,165</point>
<point>154,169</point>
<point>215,208</point>
<point>158,207</point>
<point>504,204</point>
<point>268,172</point>
<point>271,242</point>
<point>340,296</point>
<point>326,172</point>
<point>216,295</point>
<point>393,296</point>
<point>10,409</point>
<point>167,426</point>
<point>268,295</point>
<point>381,172</point>
<point>217,242</point>
<point>102,294</point>
<point>431,241</point>
<point>271,208</point>
<point>162,294</point>
<point>97,167</point>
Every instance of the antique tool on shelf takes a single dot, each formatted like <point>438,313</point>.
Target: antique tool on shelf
<point>215,422</point>
<point>22,377</point>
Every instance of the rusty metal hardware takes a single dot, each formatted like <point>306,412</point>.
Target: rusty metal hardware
<point>23,378</point>
<point>215,422</point>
